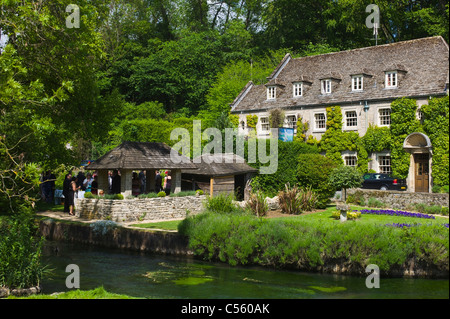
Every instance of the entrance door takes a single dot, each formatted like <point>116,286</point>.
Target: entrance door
<point>422,172</point>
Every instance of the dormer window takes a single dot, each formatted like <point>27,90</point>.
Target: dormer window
<point>326,86</point>
<point>298,89</point>
<point>357,83</point>
<point>391,79</point>
<point>271,92</point>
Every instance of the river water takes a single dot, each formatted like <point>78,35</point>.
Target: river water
<point>160,276</point>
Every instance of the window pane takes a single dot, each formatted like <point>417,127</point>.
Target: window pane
<point>350,161</point>
<point>384,163</point>
<point>385,116</point>
<point>320,121</point>
<point>351,119</point>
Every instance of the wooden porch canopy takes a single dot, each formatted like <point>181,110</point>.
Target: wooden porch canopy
<point>145,156</point>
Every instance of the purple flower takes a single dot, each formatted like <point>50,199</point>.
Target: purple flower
<point>395,213</point>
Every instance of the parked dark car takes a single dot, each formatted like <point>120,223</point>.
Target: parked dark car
<point>383,182</point>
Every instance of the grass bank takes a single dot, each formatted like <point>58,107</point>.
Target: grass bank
<point>97,293</point>
<point>317,242</point>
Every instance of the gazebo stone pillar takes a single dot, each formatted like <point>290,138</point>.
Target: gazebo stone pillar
<point>102,180</point>
<point>176,181</point>
<point>126,176</point>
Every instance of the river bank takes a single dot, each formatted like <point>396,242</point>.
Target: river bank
<point>174,243</point>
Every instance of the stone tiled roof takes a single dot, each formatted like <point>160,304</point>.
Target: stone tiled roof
<point>422,67</point>
<point>139,156</point>
<point>224,164</point>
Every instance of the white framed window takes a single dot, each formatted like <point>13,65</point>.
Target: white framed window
<point>384,164</point>
<point>265,126</point>
<point>351,119</point>
<point>391,79</point>
<point>326,86</point>
<point>384,116</point>
<point>271,93</point>
<point>357,83</point>
<point>350,160</point>
<point>298,89</point>
<point>320,122</point>
<point>292,121</point>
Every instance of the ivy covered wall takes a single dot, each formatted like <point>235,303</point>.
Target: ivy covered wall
<point>404,121</point>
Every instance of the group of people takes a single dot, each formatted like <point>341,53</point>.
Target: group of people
<point>73,184</point>
<point>139,182</point>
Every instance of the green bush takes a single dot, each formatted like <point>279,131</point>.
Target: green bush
<point>20,252</point>
<point>161,194</point>
<point>373,202</point>
<point>118,196</point>
<point>89,195</point>
<point>288,154</point>
<point>221,204</point>
<point>257,204</point>
<point>313,170</point>
<point>295,201</point>
<point>309,244</point>
<point>182,194</point>
<point>199,192</point>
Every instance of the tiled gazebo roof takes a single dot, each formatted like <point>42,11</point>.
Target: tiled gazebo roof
<point>140,156</point>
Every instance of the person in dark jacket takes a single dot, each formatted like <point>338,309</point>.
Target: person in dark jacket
<point>158,182</point>
<point>66,192</point>
<point>115,189</point>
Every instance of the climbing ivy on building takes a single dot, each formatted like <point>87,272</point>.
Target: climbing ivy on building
<point>436,127</point>
<point>334,141</point>
<point>377,139</point>
<point>252,120</point>
<point>403,122</point>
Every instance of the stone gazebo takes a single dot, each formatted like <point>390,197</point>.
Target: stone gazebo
<point>137,156</point>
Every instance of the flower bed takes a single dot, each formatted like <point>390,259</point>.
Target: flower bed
<point>401,225</point>
<point>395,213</point>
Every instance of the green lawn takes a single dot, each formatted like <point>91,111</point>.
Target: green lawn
<point>325,216</point>
<point>98,293</point>
<point>167,225</point>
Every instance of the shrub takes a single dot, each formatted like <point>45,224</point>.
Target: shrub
<point>20,252</point>
<point>199,192</point>
<point>288,152</point>
<point>373,202</point>
<point>118,196</point>
<point>345,177</point>
<point>257,204</point>
<point>313,170</point>
<point>290,201</point>
<point>356,198</point>
<point>161,194</point>
<point>221,204</point>
<point>313,244</point>
<point>89,195</point>
<point>182,194</point>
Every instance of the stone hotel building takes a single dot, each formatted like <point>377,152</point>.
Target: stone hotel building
<point>363,82</point>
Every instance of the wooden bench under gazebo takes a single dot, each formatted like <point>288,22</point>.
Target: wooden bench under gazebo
<point>139,156</point>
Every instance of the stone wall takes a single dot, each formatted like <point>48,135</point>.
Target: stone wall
<point>123,238</point>
<point>401,200</point>
<point>137,209</point>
